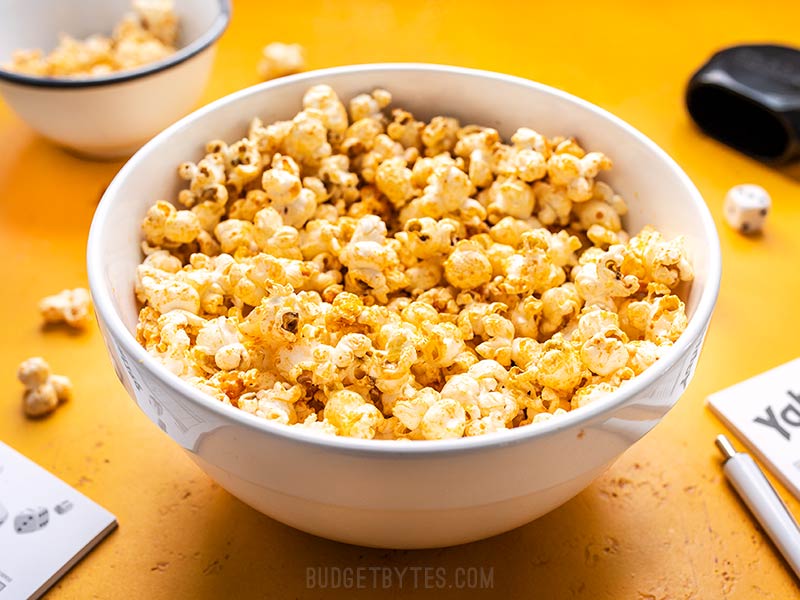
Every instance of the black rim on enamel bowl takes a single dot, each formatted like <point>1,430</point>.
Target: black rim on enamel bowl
<point>211,35</point>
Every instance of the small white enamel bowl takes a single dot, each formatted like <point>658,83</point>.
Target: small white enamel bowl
<point>113,115</point>
<point>400,494</point>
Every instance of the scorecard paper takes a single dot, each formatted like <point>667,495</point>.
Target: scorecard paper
<point>764,412</point>
<point>46,527</point>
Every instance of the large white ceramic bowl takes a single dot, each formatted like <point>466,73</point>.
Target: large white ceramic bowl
<point>113,115</point>
<point>394,493</point>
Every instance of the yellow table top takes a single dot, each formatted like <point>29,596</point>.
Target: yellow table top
<point>661,523</point>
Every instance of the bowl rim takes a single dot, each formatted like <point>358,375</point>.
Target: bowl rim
<point>116,329</point>
<point>193,48</point>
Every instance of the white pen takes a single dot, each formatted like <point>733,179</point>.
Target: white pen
<point>763,501</point>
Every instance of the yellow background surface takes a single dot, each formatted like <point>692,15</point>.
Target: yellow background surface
<point>660,524</point>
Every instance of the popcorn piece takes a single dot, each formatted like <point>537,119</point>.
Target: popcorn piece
<point>440,135</point>
<point>307,139</point>
<point>602,281</point>
<point>325,100</point>
<point>405,129</point>
<point>165,295</point>
<point>591,393</point>
<point>510,196</point>
<point>525,160</point>
<point>642,355</point>
<point>234,234</point>
<point>279,59</point>
<point>207,180</point>
<point>597,212</point>
<point>604,353</point>
<point>528,139</point>
<point>428,238</point>
<point>43,390</point>
<point>164,225</point>
<point>559,305</point>
<point>372,264</point>
<point>335,171</point>
<point>447,193</point>
<point>467,267</point>
<point>294,203</point>
<point>369,106</point>
<point>274,404</point>
<point>393,178</point>
<point>444,419</point>
<point>383,149</point>
<point>533,269</point>
<point>544,417</point>
<point>560,365</point>
<point>351,415</point>
<point>73,307</point>
<point>499,332</point>
<point>576,174</point>
<point>33,372</point>
<point>158,18</point>
<point>666,320</point>
<point>242,160</point>
<point>555,206</point>
<point>665,262</point>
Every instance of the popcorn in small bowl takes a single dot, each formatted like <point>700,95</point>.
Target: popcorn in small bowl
<point>146,35</point>
<point>106,79</point>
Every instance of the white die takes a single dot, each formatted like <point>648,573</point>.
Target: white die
<point>746,207</point>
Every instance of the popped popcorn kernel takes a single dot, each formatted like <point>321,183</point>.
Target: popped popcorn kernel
<point>394,179</point>
<point>467,267</point>
<point>440,135</point>
<point>73,307</point>
<point>445,419</point>
<point>279,59</point>
<point>44,391</point>
<point>576,173</point>
<point>369,106</point>
<point>351,415</point>
<point>356,272</point>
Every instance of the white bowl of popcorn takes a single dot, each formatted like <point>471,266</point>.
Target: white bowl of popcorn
<point>396,329</point>
<point>101,78</point>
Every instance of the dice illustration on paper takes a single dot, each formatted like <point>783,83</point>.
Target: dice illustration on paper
<point>63,507</point>
<point>31,519</point>
<point>3,513</point>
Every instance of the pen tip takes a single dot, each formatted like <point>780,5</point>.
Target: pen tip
<point>725,446</point>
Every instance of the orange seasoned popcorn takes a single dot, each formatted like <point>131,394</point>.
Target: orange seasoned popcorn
<point>147,35</point>
<point>73,307</point>
<point>356,272</point>
<point>44,391</point>
<point>278,60</point>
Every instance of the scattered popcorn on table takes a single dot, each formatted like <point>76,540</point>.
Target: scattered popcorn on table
<point>147,35</point>
<point>746,208</point>
<point>43,390</point>
<point>73,307</point>
<point>279,60</point>
<point>356,272</point>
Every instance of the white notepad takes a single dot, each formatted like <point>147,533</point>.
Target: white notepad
<point>764,412</point>
<point>46,527</point>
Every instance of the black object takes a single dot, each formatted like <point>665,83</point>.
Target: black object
<point>748,97</point>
